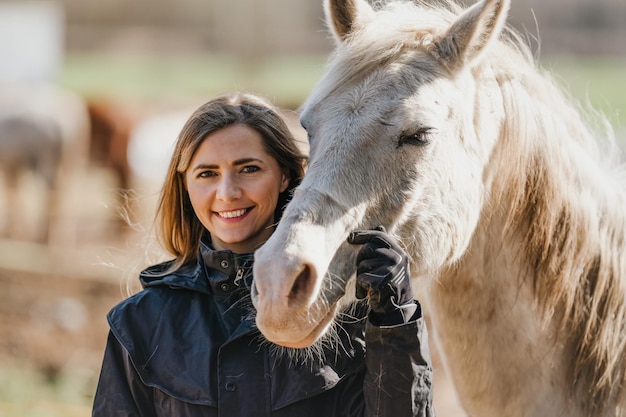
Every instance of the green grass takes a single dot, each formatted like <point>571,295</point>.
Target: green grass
<point>598,81</point>
<point>286,80</point>
<point>25,392</point>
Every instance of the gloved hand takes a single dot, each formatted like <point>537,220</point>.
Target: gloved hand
<point>383,275</point>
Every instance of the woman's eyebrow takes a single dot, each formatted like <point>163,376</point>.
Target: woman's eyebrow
<point>244,161</point>
<point>204,166</point>
<point>237,162</point>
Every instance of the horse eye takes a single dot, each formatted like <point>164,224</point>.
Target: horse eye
<point>423,136</point>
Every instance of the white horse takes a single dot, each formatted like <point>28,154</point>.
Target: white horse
<point>436,123</point>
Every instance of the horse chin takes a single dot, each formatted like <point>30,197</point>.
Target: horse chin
<point>299,333</point>
<point>318,330</point>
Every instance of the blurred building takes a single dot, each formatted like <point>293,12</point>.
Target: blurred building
<point>31,41</point>
<point>574,27</point>
<point>244,27</point>
<point>255,28</point>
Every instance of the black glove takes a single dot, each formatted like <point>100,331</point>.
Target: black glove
<point>383,275</point>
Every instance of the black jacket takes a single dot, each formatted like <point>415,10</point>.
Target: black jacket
<point>187,345</point>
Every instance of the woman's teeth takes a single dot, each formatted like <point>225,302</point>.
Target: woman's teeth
<point>232,214</point>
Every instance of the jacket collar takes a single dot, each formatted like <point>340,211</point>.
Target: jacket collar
<point>215,272</point>
<point>225,271</point>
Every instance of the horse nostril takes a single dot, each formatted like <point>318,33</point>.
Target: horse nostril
<point>301,286</point>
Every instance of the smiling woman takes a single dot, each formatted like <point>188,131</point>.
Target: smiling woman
<point>232,144</point>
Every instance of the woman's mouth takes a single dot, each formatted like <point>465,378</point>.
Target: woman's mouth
<point>233,214</point>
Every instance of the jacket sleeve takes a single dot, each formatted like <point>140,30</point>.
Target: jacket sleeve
<point>120,391</point>
<point>399,377</point>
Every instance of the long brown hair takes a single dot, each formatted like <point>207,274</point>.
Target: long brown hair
<point>178,228</point>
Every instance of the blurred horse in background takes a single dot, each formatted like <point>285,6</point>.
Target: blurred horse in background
<point>28,142</point>
<point>44,144</point>
<point>112,121</point>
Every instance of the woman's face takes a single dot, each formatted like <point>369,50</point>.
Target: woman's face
<point>233,185</point>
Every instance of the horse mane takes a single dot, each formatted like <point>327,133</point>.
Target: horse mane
<point>566,196</point>
<point>563,186</point>
<point>565,190</point>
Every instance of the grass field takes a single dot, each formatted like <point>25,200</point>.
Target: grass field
<point>26,393</point>
<point>598,80</point>
<point>288,80</point>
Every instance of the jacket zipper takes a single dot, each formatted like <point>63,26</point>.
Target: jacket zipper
<point>238,277</point>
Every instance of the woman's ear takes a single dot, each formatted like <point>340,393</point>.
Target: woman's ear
<point>284,182</point>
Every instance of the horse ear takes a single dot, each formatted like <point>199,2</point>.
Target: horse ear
<point>343,16</point>
<point>472,31</point>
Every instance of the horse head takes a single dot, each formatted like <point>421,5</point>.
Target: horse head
<point>399,137</point>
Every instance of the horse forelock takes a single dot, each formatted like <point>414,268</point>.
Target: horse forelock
<point>566,197</point>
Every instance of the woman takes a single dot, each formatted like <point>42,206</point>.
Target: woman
<point>186,345</point>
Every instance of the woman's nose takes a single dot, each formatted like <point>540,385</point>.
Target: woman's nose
<point>228,189</point>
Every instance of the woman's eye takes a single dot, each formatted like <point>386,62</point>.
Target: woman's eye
<point>422,136</point>
<point>206,174</point>
<point>250,169</point>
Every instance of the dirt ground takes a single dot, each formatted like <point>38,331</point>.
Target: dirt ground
<point>53,322</point>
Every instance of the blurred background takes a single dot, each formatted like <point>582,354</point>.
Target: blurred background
<point>92,96</point>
